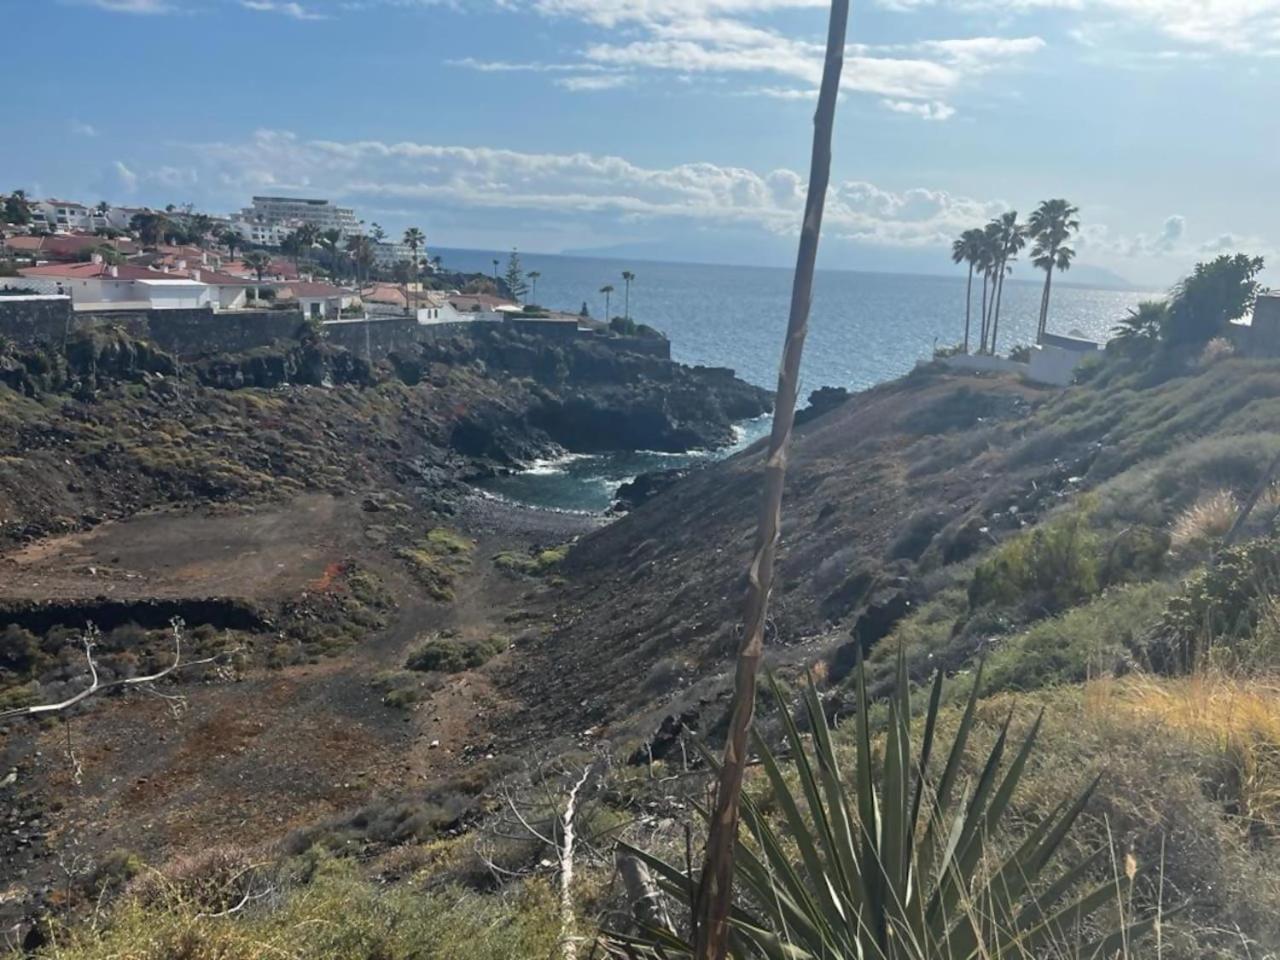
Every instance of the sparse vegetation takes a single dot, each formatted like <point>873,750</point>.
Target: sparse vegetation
<point>1046,569</point>
<point>454,654</point>
<point>336,916</point>
<point>437,560</point>
<point>533,563</point>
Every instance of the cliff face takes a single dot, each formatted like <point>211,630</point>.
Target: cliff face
<point>588,398</point>
<point>106,424</point>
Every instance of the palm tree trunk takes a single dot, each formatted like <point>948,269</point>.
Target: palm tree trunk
<point>626,310</point>
<point>715,888</point>
<point>995,323</point>
<point>968,304</point>
<point>982,344</point>
<point>1044,305</point>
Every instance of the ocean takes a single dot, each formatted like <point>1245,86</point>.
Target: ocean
<point>864,328</point>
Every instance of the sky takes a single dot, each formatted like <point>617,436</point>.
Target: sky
<point>669,129</point>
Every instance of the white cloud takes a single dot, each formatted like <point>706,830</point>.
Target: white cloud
<point>508,66</point>
<point>1235,25</point>
<point>123,177</point>
<point>925,111</point>
<point>289,9</point>
<point>133,6</point>
<point>82,129</point>
<point>590,83</point>
<point>584,188</point>
<point>717,38</point>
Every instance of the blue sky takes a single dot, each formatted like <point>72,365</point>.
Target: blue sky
<point>668,128</point>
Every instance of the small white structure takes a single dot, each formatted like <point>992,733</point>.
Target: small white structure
<point>320,301</point>
<point>1055,358</point>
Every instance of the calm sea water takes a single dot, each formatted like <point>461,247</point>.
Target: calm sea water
<point>864,328</point>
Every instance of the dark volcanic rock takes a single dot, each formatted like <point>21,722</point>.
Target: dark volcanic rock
<point>646,486</point>
<point>591,397</point>
<point>820,401</point>
<point>309,363</point>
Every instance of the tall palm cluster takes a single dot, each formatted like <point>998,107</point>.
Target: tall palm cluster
<point>989,252</point>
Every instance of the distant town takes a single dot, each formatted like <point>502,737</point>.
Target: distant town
<point>295,253</point>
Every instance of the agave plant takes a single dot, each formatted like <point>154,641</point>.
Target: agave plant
<point>898,864</point>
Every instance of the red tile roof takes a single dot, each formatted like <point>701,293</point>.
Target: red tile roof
<point>66,246</point>
<point>385,293</point>
<point>90,271</point>
<point>313,290</point>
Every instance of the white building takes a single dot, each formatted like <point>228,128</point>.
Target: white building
<point>270,219</point>
<point>99,286</point>
<point>61,216</point>
<point>387,255</point>
<point>1055,358</point>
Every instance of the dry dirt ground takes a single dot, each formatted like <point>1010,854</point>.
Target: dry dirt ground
<point>244,761</point>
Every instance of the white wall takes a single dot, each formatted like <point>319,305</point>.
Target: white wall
<point>1050,364</point>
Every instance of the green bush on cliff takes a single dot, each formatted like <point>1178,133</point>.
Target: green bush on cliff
<point>454,655</point>
<point>1043,570</point>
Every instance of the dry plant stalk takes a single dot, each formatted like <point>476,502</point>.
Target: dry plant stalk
<point>715,893</point>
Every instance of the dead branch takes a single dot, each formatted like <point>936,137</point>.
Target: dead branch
<point>95,684</point>
<point>568,939</point>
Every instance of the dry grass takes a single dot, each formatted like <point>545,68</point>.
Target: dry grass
<point>1234,719</point>
<point>1208,519</point>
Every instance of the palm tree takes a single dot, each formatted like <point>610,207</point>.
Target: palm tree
<point>607,290</point>
<point>360,248</point>
<point>414,239</point>
<point>306,235</point>
<point>627,277</point>
<point>231,240</point>
<point>1011,237</point>
<point>257,261</point>
<point>1051,224</point>
<point>376,231</point>
<point>986,263</point>
<point>533,276</point>
<point>967,248</point>
<point>495,271</point>
<point>1142,323</point>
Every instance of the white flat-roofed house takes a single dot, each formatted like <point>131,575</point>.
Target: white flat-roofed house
<point>100,286</point>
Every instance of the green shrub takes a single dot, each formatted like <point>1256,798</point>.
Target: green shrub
<point>1220,606</point>
<point>534,563</point>
<point>453,655</point>
<point>1088,640</point>
<point>1045,569</point>
<point>446,541</point>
